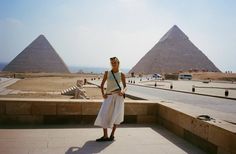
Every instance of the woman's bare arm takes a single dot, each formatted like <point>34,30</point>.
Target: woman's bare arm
<point>123,82</point>
<point>102,84</point>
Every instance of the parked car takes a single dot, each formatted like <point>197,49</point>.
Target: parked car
<point>156,76</point>
<point>185,76</point>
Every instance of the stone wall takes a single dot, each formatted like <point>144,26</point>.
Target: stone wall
<point>211,137</point>
<point>40,111</point>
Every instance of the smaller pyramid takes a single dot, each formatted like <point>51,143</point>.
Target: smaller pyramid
<point>174,52</point>
<point>39,56</point>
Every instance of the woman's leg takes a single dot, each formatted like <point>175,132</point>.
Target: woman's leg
<point>113,130</point>
<point>105,135</point>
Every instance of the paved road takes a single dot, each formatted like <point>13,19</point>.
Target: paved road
<point>4,82</point>
<point>224,109</point>
<point>211,88</point>
<point>214,103</point>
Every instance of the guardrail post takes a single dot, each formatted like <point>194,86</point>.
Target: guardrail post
<point>226,92</point>
<point>193,88</point>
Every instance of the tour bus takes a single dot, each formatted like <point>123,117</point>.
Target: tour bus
<point>185,76</point>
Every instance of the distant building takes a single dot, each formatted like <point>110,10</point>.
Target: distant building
<point>173,53</point>
<point>39,56</point>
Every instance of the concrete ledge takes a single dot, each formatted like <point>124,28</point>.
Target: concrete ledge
<point>90,108</point>
<point>69,109</point>
<point>212,137</point>
<point>209,136</point>
<point>39,111</point>
<point>19,108</point>
<point>44,108</point>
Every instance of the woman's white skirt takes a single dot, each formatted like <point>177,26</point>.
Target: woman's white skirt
<point>111,111</point>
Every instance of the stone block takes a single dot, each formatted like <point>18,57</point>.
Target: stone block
<point>185,121</point>
<point>221,150</point>
<point>162,111</point>
<point>173,115</point>
<point>2,108</point>
<point>20,119</point>
<point>8,119</point>
<point>88,119</point>
<point>90,108</point>
<point>29,119</point>
<point>200,142</point>
<point>168,114</point>
<point>48,108</point>
<point>176,129</point>
<point>69,109</point>
<point>18,108</point>
<point>130,119</point>
<point>146,119</point>
<point>3,119</point>
<point>136,109</point>
<point>152,109</point>
<point>62,119</point>
<point>222,138</point>
<point>200,128</point>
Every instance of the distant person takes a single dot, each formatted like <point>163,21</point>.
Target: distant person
<point>111,112</point>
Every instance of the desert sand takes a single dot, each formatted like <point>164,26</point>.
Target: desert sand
<point>214,76</point>
<point>49,85</point>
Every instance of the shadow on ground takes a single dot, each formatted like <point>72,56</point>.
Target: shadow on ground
<point>179,142</point>
<point>89,147</point>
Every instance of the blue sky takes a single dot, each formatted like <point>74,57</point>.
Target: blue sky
<point>88,32</point>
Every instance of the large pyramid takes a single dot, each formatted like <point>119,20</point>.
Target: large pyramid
<point>173,53</point>
<point>39,56</point>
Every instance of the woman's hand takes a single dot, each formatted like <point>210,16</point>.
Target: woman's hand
<point>121,93</point>
<point>104,96</point>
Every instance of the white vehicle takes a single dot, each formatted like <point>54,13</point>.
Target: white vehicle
<point>185,76</point>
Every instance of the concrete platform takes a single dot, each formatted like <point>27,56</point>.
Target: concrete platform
<point>80,140</point>
<point>214,136</point>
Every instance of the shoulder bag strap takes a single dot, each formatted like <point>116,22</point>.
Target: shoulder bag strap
<point>116,80</point>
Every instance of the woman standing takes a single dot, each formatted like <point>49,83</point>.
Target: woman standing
<point>111,112</point>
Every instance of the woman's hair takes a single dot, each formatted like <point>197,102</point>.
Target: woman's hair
<point>116,59</point>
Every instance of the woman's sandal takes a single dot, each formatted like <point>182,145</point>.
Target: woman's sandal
<point>111,138</point>
<point>102,139</point>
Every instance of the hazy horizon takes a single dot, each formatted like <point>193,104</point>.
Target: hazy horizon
<point>87,33</point>
<point>84,69</point>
